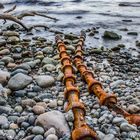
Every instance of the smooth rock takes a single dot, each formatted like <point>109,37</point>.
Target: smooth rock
<point>11,134</point>
<point>2,101</point>
<point>38,109</point>
<point>133,109</point>
<point>38,130</point>
<point>7,59</point>
<point>19,81</point>
<point>3,120</point>
<point>53,103</point>
<point>18,109</point>
<point>5,109</point>
<point>10,33</point>
<point>4,52</point>
<point>47,50</point>
<point>38,137</point>
<point>60,102</point>
<point>4,76</point>
<point>2,42</point>
<point>109,137</point>
<point>45,80</point>
<point>127,127</point>
<point>118,120</point>
<point>55,119</point>
<point>43,104</point>
<point>20,93</point>
<point>48,60</point>
<point>49,67</point>
<point>50,131</point>
<point>13,40</point>
<point>117,83</point>
<point>52,137</point>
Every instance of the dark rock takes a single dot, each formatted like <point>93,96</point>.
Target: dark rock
<point>132,33</point>
<point>138,43</point>
<point>127,20</point>
<point>2,101</point>
<point>1,6</point>
<point>20,93</point>
<point>111,35</point>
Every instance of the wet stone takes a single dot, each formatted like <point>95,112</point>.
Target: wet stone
<point>111,35</point>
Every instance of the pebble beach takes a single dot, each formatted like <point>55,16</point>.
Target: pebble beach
<point>32,103</point>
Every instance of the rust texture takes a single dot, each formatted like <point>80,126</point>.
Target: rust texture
<point>81,130</point>
<point>95,87</point>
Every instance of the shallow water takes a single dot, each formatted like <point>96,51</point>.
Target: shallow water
<point>75,15</point>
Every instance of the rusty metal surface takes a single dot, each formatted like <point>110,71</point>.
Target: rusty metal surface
<point>95,87</point>
<point>81,130</point>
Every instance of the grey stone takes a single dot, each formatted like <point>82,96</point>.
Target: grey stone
<point>13,118</point>
<point>3,120</point>
<point>53,103</point>
<point>24,66</point>
<point>109,137</point>
<point>2,101</point>
<point>101,135</point>
<point>118,120</point>
<point>49,67</point>
<point>2,42</point>
<point>19,81</point>
<point>127,127</point>
<point>55,119</point>
<point>19,71</point>
<point>117,83</point>
<point>7,59</point>
<point>50,131</point>
<point>47,50</point>
<point>133,108</point>
<point>69,116</point>
<point>20,93</point>
<point>45,80</point>
<point>48,60</point>
<point>18,109</point>
<point>37,130</point>
<point>38,137</point>
<point>52,137</point>
<point>10,134</point>
<point>5,109</point>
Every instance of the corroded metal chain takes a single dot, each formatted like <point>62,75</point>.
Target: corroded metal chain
<point>109,100</point>
<point>81,130</point>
